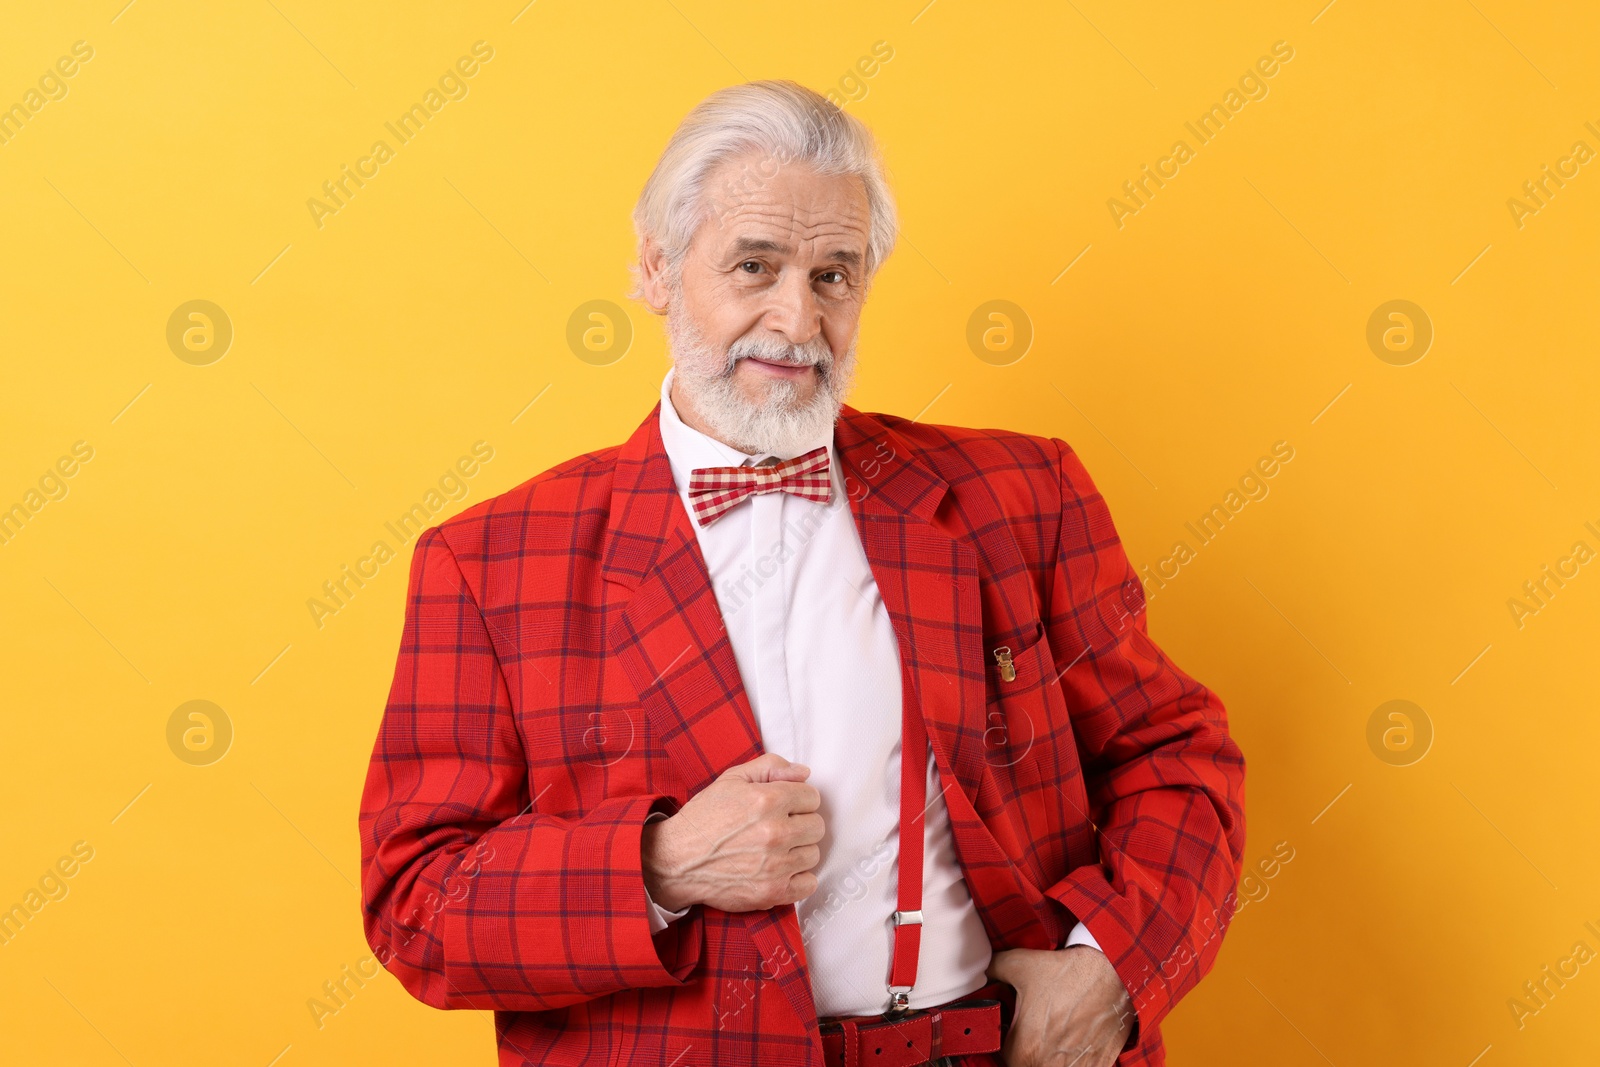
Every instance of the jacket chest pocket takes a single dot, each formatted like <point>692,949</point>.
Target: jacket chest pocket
<point>1021,723</point>
<point>1032,751</point>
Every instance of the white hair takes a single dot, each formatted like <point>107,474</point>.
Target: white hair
<point>782,121</point>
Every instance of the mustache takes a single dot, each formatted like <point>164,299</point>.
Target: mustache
<point>812,354</point>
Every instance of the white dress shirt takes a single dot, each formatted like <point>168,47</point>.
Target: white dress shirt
<point>821,667</point>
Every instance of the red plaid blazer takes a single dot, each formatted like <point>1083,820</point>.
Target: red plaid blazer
<point>564,671</point>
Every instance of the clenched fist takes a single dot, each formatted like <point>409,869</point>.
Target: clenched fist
<point>746,842</point>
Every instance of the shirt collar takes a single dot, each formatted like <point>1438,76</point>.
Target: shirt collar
<point>688,448</point>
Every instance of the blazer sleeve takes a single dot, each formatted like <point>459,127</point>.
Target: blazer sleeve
<point>471,896</point>
<point>1165,781</point>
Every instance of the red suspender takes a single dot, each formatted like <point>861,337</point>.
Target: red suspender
<point>913,800</point>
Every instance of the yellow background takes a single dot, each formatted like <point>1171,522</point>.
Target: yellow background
<point>1224,316</point>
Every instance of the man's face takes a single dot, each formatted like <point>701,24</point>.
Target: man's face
<point>763,323</point>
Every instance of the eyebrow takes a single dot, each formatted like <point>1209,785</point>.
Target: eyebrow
<point>746,245</point>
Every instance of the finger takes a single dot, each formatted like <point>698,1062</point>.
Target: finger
<point>801,886</point>
<point>805,857</point>
<point>796,798</point>
<point>1000,966</point>
<point>1009,1050</point>
<point>805,828</point>
<point>1020,964</point>
<point>770,767</point>
<point>759,769</point>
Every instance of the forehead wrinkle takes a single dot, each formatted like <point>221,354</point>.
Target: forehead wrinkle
<point>794,229</point>
<point>795,216</point>
<point>800,202</point>
<point>766,198</point>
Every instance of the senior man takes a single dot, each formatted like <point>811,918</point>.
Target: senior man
<point>783,731</point>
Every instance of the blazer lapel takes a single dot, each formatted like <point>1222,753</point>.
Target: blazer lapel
<point>670,638</point>
<point>672,644</point>
<point>929,582</point>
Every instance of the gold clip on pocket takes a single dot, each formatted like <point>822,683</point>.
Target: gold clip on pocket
<point>1008,669</point>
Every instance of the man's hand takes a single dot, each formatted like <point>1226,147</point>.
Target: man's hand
<point>746,842</point>
<point>1072,1010</point>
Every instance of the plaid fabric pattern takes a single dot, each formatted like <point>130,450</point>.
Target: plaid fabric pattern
<point>564,671</point>
<point>715,490</point>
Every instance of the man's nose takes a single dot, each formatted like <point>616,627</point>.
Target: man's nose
<point>794,311</point>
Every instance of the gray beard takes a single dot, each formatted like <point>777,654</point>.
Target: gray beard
<point>783,424</point>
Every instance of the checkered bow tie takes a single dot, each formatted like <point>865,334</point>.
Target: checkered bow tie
<point>713,491</point>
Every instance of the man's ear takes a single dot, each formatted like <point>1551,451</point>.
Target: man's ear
<point>653,275</point>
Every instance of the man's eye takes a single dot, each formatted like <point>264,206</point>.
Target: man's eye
<point>837,276</point>
<point>750,263</point>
